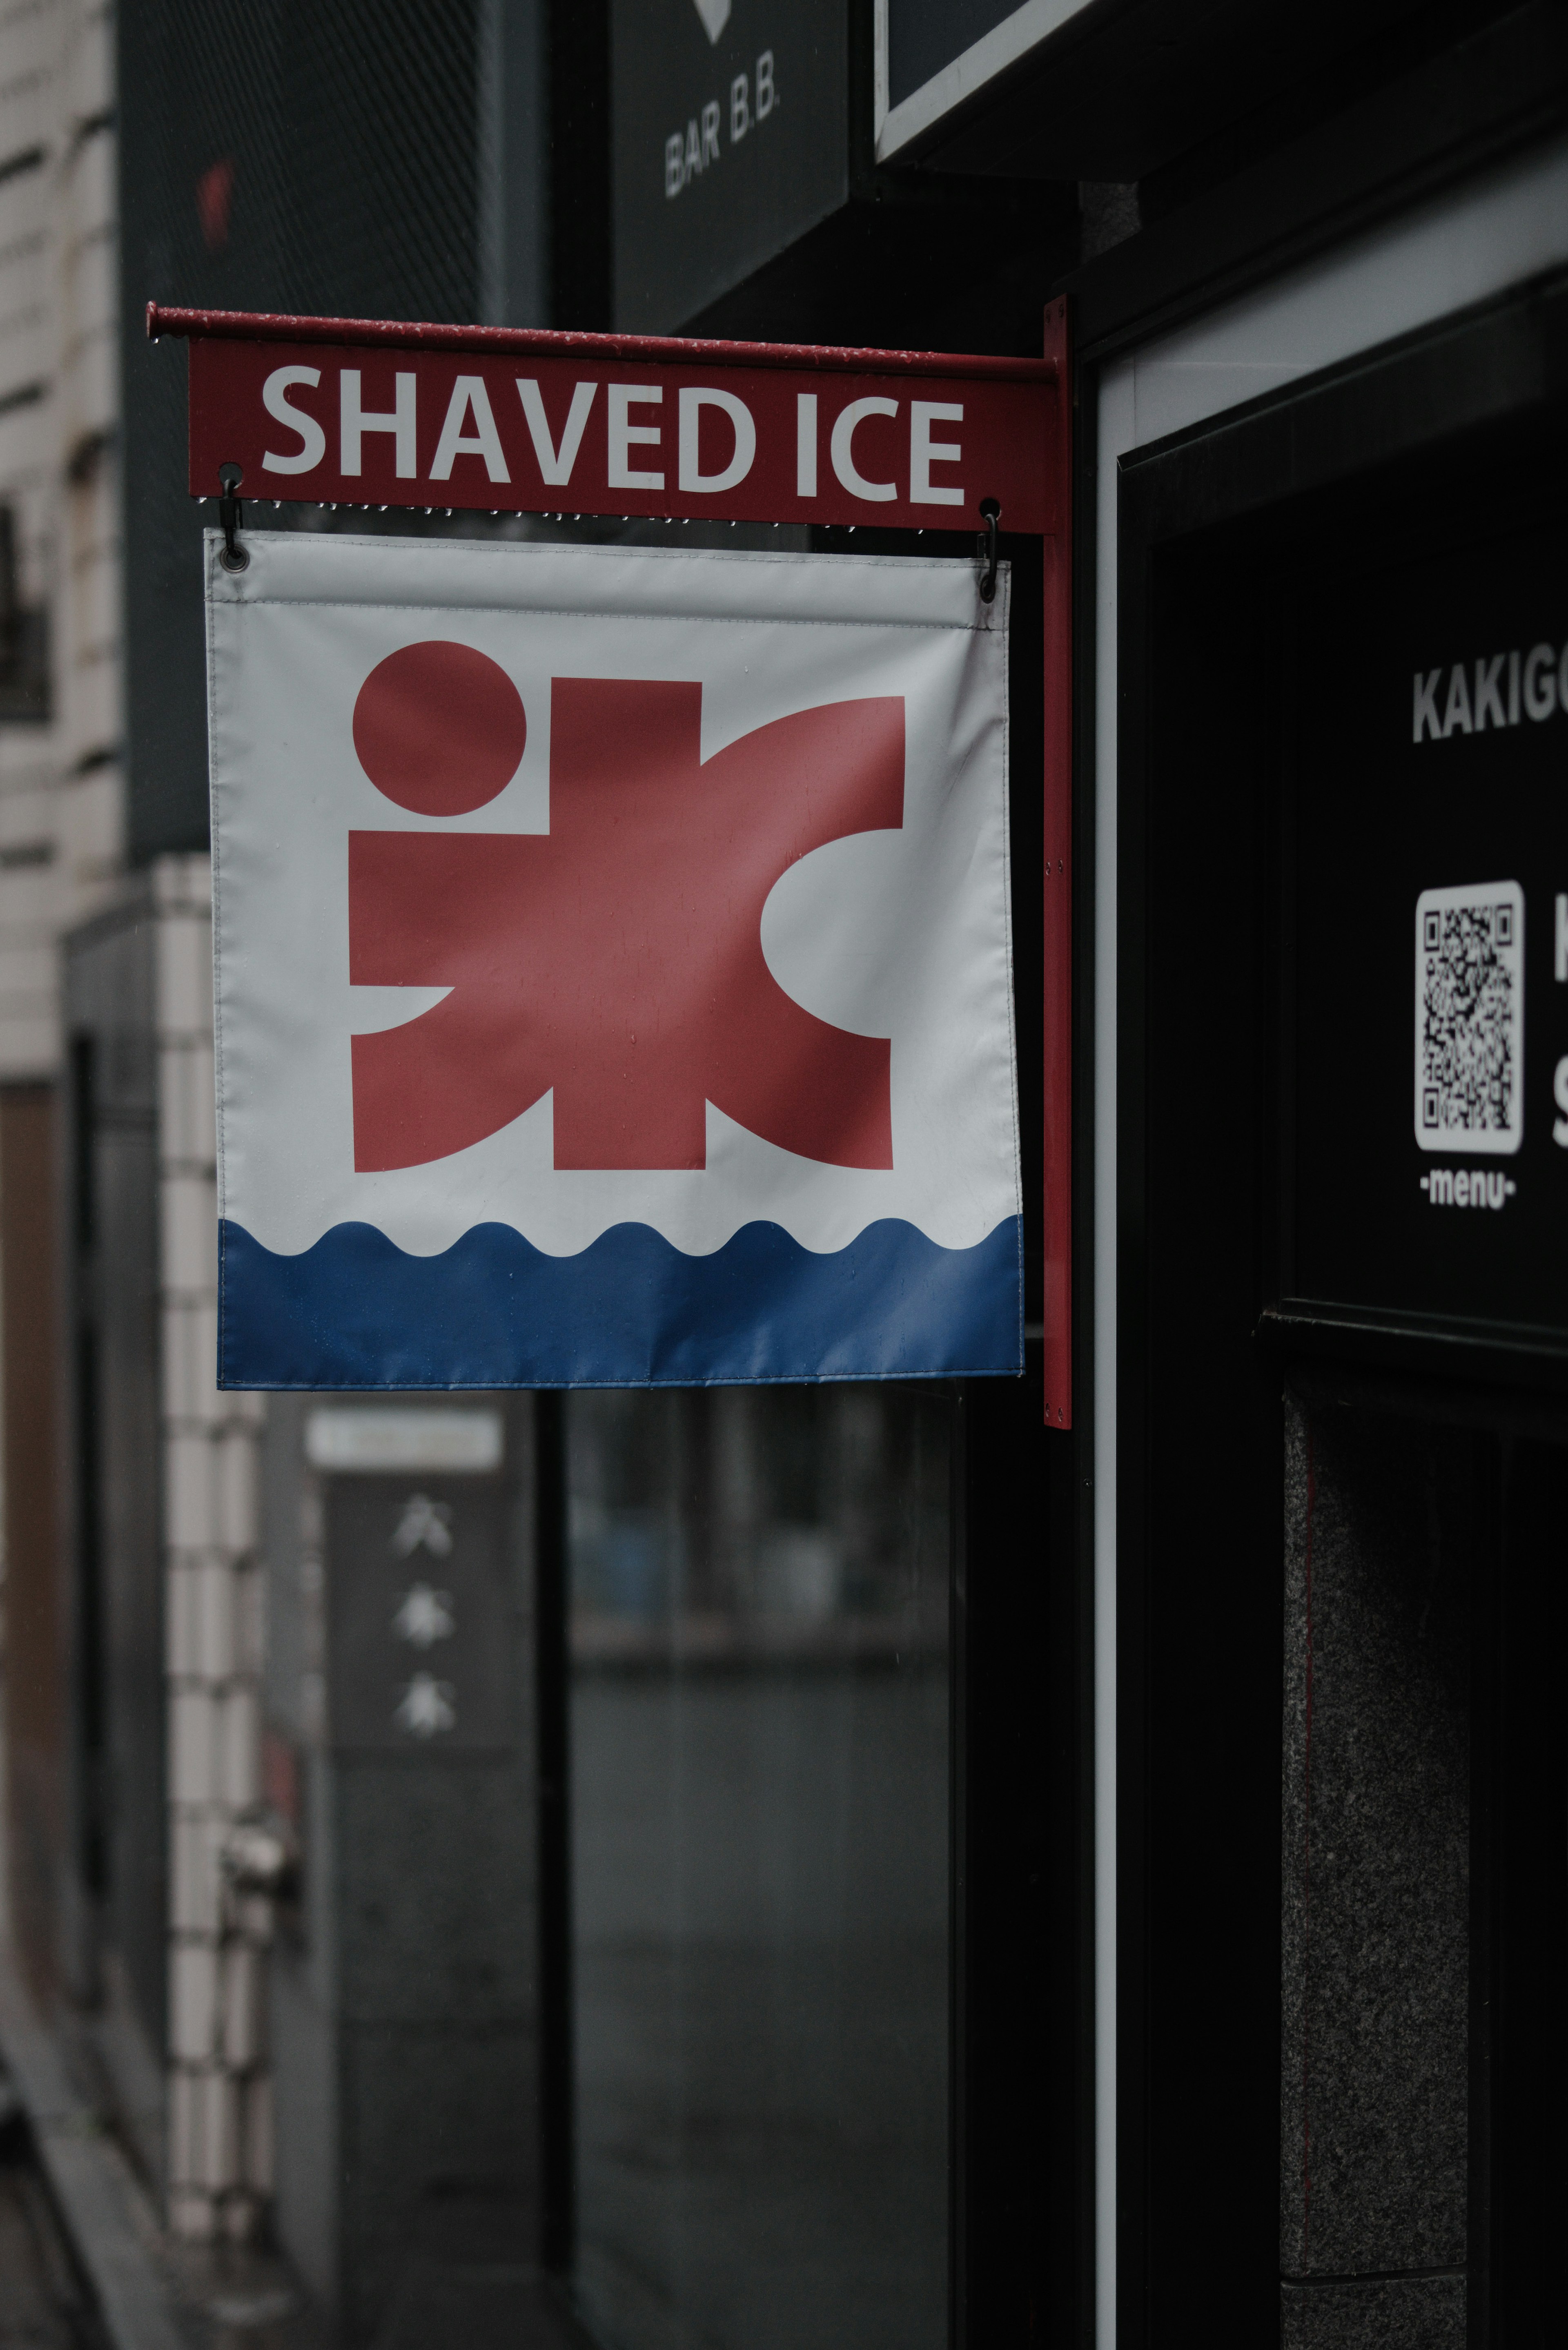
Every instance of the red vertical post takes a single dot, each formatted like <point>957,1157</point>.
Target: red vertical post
<point>1058,882</point>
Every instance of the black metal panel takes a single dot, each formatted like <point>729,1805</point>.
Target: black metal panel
<point>274,156</point>
<point>1022,1841</point>
<point>1199,1616</point>
<point>120,1660</point>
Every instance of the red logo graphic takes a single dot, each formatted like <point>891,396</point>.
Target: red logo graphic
<point>616,958</point>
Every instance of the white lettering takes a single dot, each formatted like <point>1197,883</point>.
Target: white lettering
<point>674,164</point>
<point>841,449</point>
<point>805,444</point>
<point>1456,709</point>
<point>555,464</point>
<point>354,424</point>
<point>1560,1092</point>
<point>275,400</point>
<point>1426,705</point>
<point>1540,682</point>
<point>1513,688</point>
<point>1485,1186</point>
<point>768,91</point>
<point>693,400</point>
<point>621,398</point>
<point>1489,693</point>
<point>469,397</point>
<point>924,451</point>
<point>693,149</point>
<point>1561,957</point>
<point>710,132</point>
<point>740,109</point>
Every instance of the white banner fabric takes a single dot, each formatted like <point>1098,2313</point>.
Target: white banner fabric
<point>612,966</point>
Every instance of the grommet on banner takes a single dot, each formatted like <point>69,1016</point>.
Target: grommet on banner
<point>231,514</point>
<point>985,548</point>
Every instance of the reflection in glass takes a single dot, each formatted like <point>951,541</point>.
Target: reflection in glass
<point>758,1738</point>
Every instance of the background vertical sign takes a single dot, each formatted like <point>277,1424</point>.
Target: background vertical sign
<point>1015,425</point>
<point>731,138</point>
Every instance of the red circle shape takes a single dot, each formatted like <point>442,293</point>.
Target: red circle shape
<point>440,728</point>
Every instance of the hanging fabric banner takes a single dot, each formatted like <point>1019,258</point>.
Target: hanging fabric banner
<point>612,966</point>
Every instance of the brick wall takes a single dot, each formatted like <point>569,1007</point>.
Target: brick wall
<point>219,2149</point>
<point>61,797</point>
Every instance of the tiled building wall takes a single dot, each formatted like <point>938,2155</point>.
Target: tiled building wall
<point>62,860</point>
<point>61,816</point>
<point>87,579</point>
<point>220,2151</point>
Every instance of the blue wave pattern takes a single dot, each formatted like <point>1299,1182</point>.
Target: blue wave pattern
<point>631,1310</point>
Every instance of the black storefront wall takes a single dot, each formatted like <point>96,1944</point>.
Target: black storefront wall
<point>1335,2026</point>
<point>1428,1171</point>
<point>357,161</point>
<point>745,200</point>
<point>1325,1465</point>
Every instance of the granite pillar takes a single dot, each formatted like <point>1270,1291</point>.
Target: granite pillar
<point>1384,1528</point>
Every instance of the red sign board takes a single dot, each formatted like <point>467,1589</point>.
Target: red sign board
<point>379,413</point>
<point>710,434</point>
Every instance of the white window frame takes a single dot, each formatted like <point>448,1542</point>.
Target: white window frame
<point>1016,35</point>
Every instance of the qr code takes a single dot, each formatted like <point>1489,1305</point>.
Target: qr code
<point>1470,1018</point>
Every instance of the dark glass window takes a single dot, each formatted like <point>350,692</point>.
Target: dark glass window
<point>760,1865</point>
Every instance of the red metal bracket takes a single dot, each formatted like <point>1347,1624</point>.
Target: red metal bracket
<point>551,342</point>
<point>1058,882</point>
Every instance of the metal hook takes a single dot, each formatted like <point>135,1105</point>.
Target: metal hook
<point>232,515</point>
<point>985,548</point>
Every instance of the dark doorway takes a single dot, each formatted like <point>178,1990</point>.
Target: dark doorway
<point>1316,1367</point>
